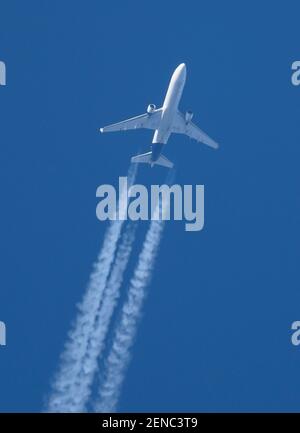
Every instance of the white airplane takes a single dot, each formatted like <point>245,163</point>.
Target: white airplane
<point>165,121</point>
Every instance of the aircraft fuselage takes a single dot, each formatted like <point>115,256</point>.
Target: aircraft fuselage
<point>169,109</point>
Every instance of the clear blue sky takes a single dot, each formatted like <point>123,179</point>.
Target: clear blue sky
<point>215,335</point>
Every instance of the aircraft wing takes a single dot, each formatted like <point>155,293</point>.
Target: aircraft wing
<point>148,121</point>
<point>180,126</point>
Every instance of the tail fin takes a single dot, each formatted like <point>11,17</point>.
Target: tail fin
<point>146,158</point>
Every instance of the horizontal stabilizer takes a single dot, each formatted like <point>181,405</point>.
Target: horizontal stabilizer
<point>164,162</point>
<point>147,158</point>
<point>144,157</point>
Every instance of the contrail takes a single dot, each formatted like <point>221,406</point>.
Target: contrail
<point>64,397</point>
<point>105,312</point>
<point>119,354</point>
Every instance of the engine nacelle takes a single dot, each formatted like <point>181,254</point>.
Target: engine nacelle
<point>151,108</point>
<point>188,116</point>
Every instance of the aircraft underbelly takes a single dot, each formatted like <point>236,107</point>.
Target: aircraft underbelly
<point>170,106</point>
<point>161,135</point>
<point>163,132</point>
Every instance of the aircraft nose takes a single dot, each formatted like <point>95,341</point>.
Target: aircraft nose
<point>182,69</point>
<point>180,72</point>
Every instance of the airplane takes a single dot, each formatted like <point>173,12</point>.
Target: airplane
<point>165,121</point>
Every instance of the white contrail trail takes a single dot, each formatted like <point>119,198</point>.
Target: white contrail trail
<point>119,354</point>
<point>64,396</point>
<point>105,312</point>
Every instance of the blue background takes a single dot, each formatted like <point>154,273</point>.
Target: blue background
<point>215,335</point>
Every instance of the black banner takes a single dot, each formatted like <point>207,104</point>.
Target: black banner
<point>141,422</point>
